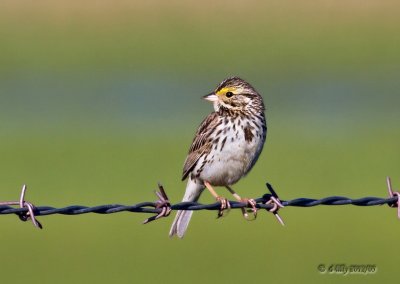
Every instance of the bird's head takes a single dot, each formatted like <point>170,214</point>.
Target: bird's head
<point>235,94</point>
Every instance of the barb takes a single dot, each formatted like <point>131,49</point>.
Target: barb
<point>163,203</point>
<point>275,201</point>
<point>162,207</point>
<point>29,209</point>
<point>393,195</point>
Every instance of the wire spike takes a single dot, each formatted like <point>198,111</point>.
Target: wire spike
<point>393,194</point>
<point>162,203</point>
<point>276,202</point>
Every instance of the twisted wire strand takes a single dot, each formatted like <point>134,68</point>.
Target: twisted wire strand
<point>150,207</point>
<point>162,206</point>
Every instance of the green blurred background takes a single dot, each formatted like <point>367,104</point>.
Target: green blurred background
<point>99,100</point>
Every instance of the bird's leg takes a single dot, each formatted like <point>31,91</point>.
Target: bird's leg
<point>224,202</point>
<point>249,202</point>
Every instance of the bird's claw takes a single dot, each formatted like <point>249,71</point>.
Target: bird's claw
<point>225,204</point>
<point>251,203</point>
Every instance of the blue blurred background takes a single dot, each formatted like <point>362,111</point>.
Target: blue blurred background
<point>99,100</point>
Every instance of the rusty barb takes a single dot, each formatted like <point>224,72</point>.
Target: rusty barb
<point>162,207</point>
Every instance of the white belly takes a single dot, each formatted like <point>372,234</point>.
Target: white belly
<point>238,155</point>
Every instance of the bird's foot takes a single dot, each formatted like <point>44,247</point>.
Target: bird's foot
<point>225,205</point>
<point>250,203</point>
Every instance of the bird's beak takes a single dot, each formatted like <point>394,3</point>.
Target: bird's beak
<point>212,97</point>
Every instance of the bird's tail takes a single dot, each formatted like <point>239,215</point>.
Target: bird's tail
<point>182,218</point>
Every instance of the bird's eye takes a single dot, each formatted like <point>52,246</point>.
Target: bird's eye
<point>229,94</point>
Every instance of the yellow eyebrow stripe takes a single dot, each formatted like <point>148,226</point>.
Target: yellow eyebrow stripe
<point>225,90</point>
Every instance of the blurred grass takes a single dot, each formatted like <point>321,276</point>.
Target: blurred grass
<point>217,37</point>
<point>100,100</point>
<point>98,169</point>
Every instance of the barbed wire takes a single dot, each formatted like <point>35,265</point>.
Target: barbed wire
<point>162,207</point>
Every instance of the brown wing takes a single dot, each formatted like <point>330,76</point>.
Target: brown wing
<point>201,143</point>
